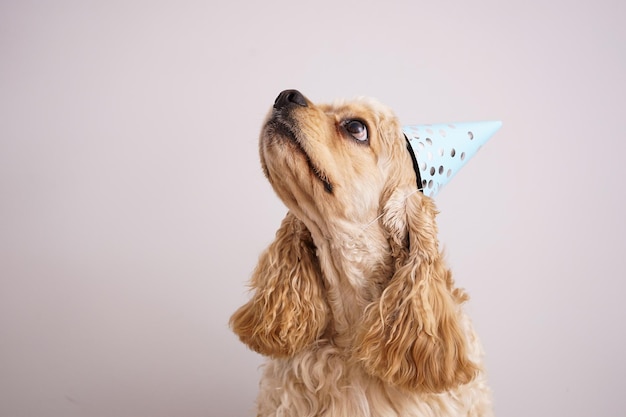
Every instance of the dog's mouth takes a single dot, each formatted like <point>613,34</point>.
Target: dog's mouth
<point>285,130</point>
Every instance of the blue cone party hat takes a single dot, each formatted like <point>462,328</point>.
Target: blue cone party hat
<point>441,150</point>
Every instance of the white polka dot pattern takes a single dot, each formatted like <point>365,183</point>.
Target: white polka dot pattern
<point>441,150</point>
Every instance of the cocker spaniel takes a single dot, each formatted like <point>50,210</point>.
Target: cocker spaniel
<point>353,302</point>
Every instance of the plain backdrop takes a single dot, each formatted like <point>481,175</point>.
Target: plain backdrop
<point>133,207</point>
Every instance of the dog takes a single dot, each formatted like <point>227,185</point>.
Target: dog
<point>352,302</point>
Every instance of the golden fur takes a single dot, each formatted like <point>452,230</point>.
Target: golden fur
<point>352,302</point>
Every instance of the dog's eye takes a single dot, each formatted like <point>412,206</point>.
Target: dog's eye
<point>356,129</point>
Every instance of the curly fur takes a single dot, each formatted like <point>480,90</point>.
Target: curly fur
<point>353,303</point>
<point>288,311</point>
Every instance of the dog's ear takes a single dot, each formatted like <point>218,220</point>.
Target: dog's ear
<point>412,336</point>
<point>287,311</point>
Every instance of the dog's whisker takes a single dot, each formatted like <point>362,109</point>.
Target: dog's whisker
<point>381,215</point>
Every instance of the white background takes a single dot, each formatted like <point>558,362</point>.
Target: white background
<point>133,207</point>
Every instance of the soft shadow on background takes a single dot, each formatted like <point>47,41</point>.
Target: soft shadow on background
<point>133,207</point>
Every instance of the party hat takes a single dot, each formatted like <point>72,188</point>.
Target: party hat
<point>441,150</point>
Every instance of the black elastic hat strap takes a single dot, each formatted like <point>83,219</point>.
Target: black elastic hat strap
<point>416,167</point>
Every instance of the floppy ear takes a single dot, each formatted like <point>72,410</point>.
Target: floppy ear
<point>412,337</point>
<point>287,311</point>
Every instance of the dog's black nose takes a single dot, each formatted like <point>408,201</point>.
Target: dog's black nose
<point>289,97</point>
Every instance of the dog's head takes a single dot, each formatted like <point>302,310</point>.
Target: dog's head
<point>333,162</point>
<point>346,166</point>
